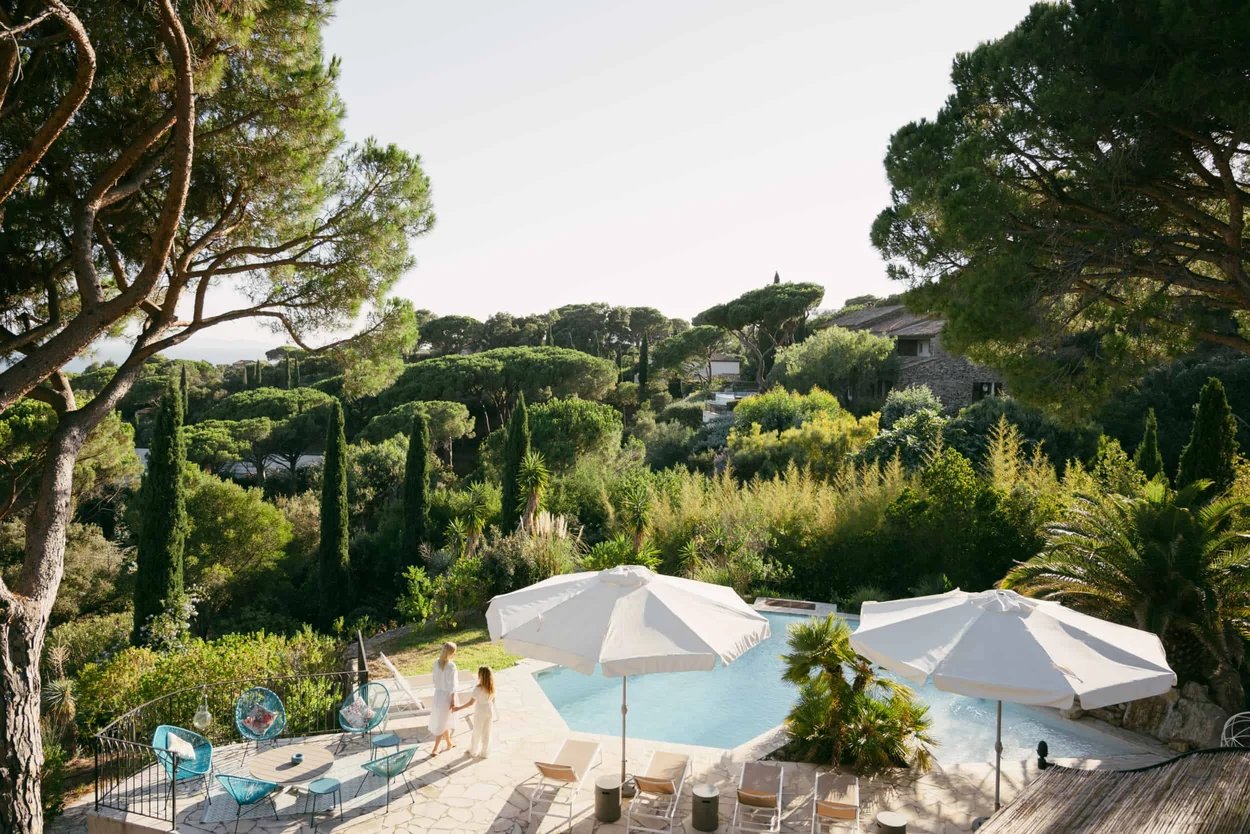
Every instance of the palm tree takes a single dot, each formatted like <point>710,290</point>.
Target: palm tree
<point>476,517</point>
<point>1164,560</point>
<point>846,713</point>
<point>637,503</point>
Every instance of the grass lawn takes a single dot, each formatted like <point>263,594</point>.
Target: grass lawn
<point>415,653</point>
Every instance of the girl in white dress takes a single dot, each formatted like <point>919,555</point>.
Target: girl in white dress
<point>483,713</point>
<point>441,719</point>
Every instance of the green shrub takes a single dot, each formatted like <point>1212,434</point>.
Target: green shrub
<point>464,589</point>
<point>687,413</point>
<point>92,639</point>
<point>619,550</point>
<point>904,401</point>
<point>822,445</point>
<point>52,780</point>
<point>668,444</point>
<point>137,675</point>
<point>416,603</point>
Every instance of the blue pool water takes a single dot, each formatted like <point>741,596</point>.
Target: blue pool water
<point>733,704</point>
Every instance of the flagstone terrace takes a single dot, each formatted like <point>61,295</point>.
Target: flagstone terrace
<point>455,793</point>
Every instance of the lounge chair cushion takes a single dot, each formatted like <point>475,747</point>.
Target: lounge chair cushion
<point>573,762</point>
<point>557,772</point>
<point>757,799</point>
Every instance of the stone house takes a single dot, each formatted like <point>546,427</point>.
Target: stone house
<point>921,358</point>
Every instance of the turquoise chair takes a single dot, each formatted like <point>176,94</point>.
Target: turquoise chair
<point>377,699</point>
<point>256,703</point>
<point>388,767</point>
<point>201,767</point>
<point>246,791</point>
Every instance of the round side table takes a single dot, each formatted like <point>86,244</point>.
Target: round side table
<point>705,815</point>
<point>891,822</point>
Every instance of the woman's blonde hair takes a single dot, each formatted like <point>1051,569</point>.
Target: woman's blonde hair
<point>449,648</point>
<point>486,680</point>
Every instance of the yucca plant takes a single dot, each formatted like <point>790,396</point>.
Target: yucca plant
<point>533,478</point>
<point>847,714</point>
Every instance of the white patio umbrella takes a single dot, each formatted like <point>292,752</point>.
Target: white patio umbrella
<point>1007,647</point>
<point>627,621</point>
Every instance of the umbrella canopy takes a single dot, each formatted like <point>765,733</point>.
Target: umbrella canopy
<point>626,620</point>
<point>1007,647</point>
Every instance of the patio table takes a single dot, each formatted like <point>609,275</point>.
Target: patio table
<point>276,766</point>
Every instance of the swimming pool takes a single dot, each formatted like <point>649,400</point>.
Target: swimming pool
<point>733,704</point>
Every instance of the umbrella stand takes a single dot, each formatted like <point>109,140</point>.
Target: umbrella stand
<point>998,757</point>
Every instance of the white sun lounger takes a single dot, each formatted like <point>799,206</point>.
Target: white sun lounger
<point>568,770</point>
<point>654,807</point>
<point>759,798</point>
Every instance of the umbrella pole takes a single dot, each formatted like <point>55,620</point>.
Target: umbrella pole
<point>998,757</point>
<point>627,789</point>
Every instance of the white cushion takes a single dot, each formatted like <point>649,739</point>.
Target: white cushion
<point>180,747</point>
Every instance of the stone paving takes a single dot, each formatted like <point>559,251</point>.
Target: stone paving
<point>454,793</point>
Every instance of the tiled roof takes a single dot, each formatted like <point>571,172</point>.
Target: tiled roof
<point>892,320</point>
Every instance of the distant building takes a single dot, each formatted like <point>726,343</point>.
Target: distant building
<point>723,366</point>
<point>922,359</point>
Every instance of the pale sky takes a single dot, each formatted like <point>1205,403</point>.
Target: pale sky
<point>670,153</point>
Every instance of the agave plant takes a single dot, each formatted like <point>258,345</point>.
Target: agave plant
<point>846,713</point>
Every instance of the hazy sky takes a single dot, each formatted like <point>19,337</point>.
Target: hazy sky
<point>671,153</point>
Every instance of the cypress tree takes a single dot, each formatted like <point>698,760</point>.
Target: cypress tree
<point>643,358</point>
<point>186,393</point>
<point>162,515</point>
<point>333,561</point>
<point>297,382</point>
<point>416,489</point>
<point>1212,449</point>
<point>258,376</point>
<point>516,447</point>
<point>246,383</point>
<point>1147,456</point>
<point>290,375</point>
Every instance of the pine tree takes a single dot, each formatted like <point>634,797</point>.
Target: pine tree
<point>333,561</point>
<point>162,515</point>
<point>643,360</point>
<point>416,489</point>
<point>1211,453</point>
<point>290,376</point>
<point>1147,456</point>
<point>516,447</point>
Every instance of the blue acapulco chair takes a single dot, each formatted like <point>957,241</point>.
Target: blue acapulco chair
<point>388,767</point>
<point>200,767</point>
<point>376,704</point>
<point>246,791</point>
<point>259,716</point>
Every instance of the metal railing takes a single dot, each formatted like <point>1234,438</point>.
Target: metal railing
<point>130,778</point>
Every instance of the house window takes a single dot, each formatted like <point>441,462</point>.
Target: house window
<point>981,390</point>
<point>913,347</point>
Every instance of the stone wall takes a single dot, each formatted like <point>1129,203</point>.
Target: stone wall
<point>949,376</point>
<point>1184,719</point>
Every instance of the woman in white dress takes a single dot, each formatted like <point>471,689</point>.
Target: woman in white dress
<point>483,714</point>
<point>441,719</point>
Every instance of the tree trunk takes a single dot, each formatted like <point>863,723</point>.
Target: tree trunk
<point>23,625</point>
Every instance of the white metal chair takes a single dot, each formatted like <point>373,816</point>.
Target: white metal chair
<point>835,802</point>
<point>1236,731</point>
<point>654,807</point>
<point>568,770</point>
<point>759,798</point>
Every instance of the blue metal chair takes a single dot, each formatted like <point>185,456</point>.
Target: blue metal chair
<point>388,767</point>
<point>259,716</point>
<point>363,711</point>
<point>246,791</point>
<point>200,767</point>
